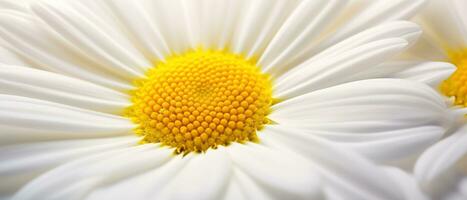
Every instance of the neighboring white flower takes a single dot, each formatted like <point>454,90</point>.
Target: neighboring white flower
<point>75,72</point>
<point>442,169</point>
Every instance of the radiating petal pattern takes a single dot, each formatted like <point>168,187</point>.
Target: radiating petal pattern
<point>350,175</point>
<point>431,73</point>
<point>204,177</point>
<point>442,156</point>
<point>45,50</point>
<point>23,162</point>
<point>383,119</point>
<point>91,35</point>
<point>67,68</point>
<point>346,61</point>
<point>57,88</point>
<point>24,119</point>
<point>78,178</point>
<point>289,177</point>
<point>354,17</point>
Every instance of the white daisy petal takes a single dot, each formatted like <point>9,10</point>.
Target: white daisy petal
<point>250,188</point>
<point>218,24</point>
<point>13,5</point>
<point>334,58</point>
<point>443,23</point>
<point>298,31</point>
<point>430,73</point>
<point>47,121</point>
<point>407,183</point>
<point>88,33</point>
<point>192,182</point>
<point>258,23</point>
<point>441,156</point>
<point>376,13</point>
<point>78,178</point>
<point>47,53</point>
<point>64,130</point>
<point>322,73</point>
<point>146,185</point>
<point>407,31</point>
<point>176,23</point>
<point>281,174</point>
<point>344,171</point>
<point>366,116</point>
<point>28,82</point>
<point>9,58</point>
<point>459,6</point>
<point>427,48</point>
<point>357,16</point>
<point>22,162</point>
<point>237,190</point>
<point>142,27</point>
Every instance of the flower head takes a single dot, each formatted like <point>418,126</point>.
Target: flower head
<point>265,99</point>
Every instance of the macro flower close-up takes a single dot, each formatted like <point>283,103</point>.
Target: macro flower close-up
<point>442,169</point>
<point>220,99</point>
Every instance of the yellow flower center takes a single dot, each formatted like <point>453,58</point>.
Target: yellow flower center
<point>455,86</point>
<point>200,100</point>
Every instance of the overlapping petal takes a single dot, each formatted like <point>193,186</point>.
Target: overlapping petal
<point>350,175</point>
<point>25,119</point>
<point>38,84</point>
<point>23,162</point>
<point>383,119</point>
<point>311,48</point>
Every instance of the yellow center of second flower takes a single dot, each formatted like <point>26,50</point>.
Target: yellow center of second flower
<point>456,85</point>
<point>200,100</point>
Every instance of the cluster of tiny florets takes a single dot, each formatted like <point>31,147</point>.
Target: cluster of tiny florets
<point>456,85</point>
<point>200,100</point>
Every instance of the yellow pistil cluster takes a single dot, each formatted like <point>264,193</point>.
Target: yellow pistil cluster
<point>200,100</point>
<point>456,85</point>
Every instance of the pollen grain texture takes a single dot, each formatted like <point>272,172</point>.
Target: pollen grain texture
<point>456,85</point>
<point>201,99</point>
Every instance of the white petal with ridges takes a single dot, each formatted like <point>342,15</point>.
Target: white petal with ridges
<point>79,178</point>
<point>407,182</point>
<point>376,12</point>
<point>358,16</point>
<point>322,73</point>
<point>146,185</point>
<point>344,171</point>
<point>366,116</point>
<point>237,190</point>
<point>176,22</point>
<point>20,163</point>
<point>205,177</point>
<point>24,119</point>
<point>219,25</point>
<point>88,33</point>
<point>10,58</point>
<point>44,51</point>
<point>370,68</point>
<point>431,73</point>
<point>13,5</point>
<point>145,33</point>
<point>405,30</point>
<point>297,32</point>
<point>257,25</point>
<point>280,174</point>
<point>38,84</point>
<point>441,156</point>
<point>250,189</point>
<point>442,20</point>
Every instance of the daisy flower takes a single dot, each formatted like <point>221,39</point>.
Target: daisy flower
<point>441,170</point>
<point>209,99</point>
